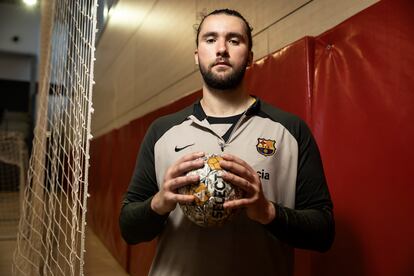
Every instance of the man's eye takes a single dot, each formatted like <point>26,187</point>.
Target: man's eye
<point>210,40</point>
<point>234,41</point>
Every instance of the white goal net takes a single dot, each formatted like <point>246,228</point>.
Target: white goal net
<point>13,168</point>
<point>51,235</point>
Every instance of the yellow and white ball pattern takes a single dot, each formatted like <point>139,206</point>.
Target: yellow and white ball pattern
<point>210,194</point>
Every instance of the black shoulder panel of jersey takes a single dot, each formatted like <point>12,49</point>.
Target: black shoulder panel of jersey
<point>290,121</point>
<point>143,182</point>
<point>161,125</point>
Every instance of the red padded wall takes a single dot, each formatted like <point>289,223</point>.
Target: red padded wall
<point>284,78</point>
<point>105,190</point>
<point>354,86</point>
<point>363,111</point>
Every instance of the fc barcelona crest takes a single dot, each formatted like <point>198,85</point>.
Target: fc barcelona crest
<point>266,147</point>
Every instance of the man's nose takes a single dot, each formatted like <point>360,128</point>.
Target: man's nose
<point>222,48</point>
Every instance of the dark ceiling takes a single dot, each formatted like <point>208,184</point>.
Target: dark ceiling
<point>17,2</point>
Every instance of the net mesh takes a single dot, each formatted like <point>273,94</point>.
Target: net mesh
<point>13,166</point>
<point>51,235</point>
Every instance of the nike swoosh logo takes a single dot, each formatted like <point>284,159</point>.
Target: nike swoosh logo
<point>177,149</point>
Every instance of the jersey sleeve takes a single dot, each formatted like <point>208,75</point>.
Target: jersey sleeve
<point>138,222</point>
<point>310,225</point>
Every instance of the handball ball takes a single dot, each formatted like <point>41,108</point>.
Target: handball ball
<point>210,194</point>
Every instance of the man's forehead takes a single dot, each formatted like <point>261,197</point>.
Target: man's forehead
<point>223,23</point>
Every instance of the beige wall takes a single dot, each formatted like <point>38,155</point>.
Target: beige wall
<point>145,55</point>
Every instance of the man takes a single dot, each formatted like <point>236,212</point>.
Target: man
<point>288,205</point>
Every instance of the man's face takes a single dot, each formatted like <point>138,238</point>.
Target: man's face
<point>223,53</point>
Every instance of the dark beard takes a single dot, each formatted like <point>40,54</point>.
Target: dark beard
<point>229,82</point>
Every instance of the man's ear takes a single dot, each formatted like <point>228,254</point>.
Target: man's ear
<point>250,63</point>
<point>196,56</point>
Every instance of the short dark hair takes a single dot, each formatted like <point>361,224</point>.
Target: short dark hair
<point>232,13</point>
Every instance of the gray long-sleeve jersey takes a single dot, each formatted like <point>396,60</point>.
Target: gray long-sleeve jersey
<point>280,147</point>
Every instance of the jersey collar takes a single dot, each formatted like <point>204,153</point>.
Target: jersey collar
<point>199,113</point>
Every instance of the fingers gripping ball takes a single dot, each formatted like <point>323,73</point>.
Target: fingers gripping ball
<point>210,194</point>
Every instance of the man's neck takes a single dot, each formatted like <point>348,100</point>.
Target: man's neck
<point>225,103</point>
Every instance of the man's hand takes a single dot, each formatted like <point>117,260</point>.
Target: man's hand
<point>167,198</point>
<point>241,174</point>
